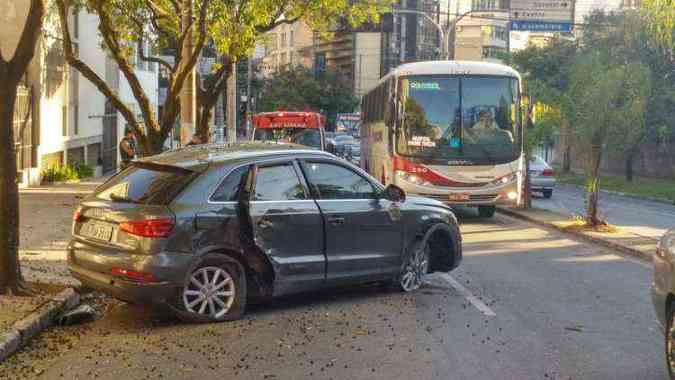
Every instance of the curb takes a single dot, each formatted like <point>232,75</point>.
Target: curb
<point>627,195</point>
<point>37,321</point>
<point>582,236</point>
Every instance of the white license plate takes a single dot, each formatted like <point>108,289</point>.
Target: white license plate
<point>96,230</point>
<point>458,197</point>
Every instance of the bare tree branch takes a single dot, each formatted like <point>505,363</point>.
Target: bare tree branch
<point>90,74</point>
<point>157,60</point>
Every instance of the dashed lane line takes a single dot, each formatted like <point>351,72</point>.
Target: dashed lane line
<point>483,308</point>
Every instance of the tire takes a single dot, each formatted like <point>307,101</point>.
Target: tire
<point>547,193</point>
<point>670,342</point>
<point>214,291</point>
<point>486,211</point>
<point>414,267</point>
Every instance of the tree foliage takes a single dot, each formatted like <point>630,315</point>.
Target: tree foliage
<point>660,20</point>
<point>232,26</point>
<point>298,88</point>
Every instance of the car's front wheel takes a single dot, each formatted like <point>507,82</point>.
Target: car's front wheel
<point>414,268</point>
<point>670,342</point>
<point>214,291</point>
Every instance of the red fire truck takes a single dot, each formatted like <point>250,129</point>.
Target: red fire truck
<point>304,128</point>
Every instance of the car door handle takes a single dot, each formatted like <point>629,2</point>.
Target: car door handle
<point>264,224</point>
<point>336,221</point>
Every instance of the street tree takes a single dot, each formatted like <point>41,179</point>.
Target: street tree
<point>125,26</point>
<point>299,88</point>
<point>610,103</point>
<point>660,20</point>
<point>234,37</point>
<point>12,70</point>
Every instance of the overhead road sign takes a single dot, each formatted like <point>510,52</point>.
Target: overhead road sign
<point>542,10</point>
<point>541,26</point>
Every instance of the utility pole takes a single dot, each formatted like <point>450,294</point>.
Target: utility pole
<point>249,99</point>
<point>188,95</point>
<point>231,114</point>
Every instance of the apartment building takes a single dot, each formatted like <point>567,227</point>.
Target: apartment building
<point>287,45</point>
<point>61,118</point>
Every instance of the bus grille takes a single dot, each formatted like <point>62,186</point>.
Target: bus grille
<point>472,198</point>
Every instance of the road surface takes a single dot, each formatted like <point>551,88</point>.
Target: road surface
<point>526,303</point>
<point>642,217</point>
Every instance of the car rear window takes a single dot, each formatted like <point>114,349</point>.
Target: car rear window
<point>147,184</point>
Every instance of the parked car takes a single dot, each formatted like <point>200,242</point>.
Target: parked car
<point>663,294</point>
<point>542,177</point>
<point>340,142</point>
<point>353,153</point>
<point>204,229</point>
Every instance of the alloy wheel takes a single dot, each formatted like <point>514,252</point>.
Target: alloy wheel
<point>415,269</point>
<point>210,291</point>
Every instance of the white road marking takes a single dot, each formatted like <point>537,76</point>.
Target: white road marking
<point>483,308</point>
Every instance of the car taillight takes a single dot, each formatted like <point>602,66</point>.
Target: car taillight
<point>77,216</point>
<point>421,172</point>
<point>152,228</point>
<point>133,275</point>
<point>547,173</point>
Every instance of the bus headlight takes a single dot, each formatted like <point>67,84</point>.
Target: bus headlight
<point>505,179</point>
<point>412,178</point>
<point>512,195</point>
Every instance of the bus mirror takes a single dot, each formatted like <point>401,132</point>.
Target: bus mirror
<point>394,193</point>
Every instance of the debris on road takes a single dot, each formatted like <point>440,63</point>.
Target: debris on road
<point>82,313</point>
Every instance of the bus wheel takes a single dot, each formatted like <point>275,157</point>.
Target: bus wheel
<point>486,211</point>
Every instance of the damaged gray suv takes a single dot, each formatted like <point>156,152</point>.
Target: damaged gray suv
<point>205,229</point>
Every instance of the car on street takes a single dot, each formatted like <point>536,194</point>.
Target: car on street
<point>204,229</point>
<point>663,293</point>
<point>340,142</point>
<point>542,179</point>
<point>353,153</point>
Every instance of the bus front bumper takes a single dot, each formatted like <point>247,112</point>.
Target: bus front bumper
<point>505,195</point>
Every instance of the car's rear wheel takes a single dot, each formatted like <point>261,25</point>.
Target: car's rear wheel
<point>486,211</point>
<point>670,342</point>
<point>414,268</point>
<point>547,193</point>
<point>214,291</point>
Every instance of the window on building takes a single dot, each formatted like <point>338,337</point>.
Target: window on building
<point>292,38</point>
<point>76,114</point>
<point>76,24</point>
<point>283,40</point>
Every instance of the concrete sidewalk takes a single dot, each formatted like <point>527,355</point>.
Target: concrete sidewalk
<point>623,241</point>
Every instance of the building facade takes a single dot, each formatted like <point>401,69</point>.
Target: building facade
<point>287,45</point>
<point>61,118</point>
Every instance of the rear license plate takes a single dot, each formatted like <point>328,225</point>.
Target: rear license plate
<point>96,230</point>
<point>458,197</point>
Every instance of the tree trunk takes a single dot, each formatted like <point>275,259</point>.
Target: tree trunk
<point>629,165</point>
<point>567,147</point>
<point>527,193</point>
<point>593,188</point>
<point>10,272</point>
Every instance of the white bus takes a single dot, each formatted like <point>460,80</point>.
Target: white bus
<point>447,130</point>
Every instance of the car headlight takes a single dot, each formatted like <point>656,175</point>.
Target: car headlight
<point>412,178</point>
<point>505,179</point>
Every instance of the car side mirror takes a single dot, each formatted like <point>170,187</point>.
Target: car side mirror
<point>393,193</point>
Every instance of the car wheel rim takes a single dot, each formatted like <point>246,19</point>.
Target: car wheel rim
<point>670,346</point>
<point>415,269</point>
<point>210,291</point>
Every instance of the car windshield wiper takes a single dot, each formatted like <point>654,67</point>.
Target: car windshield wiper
<point>118,198</point>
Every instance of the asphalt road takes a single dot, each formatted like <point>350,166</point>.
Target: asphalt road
<point>526,303</point>
<point>642,217</point>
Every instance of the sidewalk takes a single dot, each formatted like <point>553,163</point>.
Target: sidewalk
<point>46,214</point>
<point>625,242</point>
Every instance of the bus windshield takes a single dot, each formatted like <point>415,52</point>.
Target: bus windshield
<point>470,119</point>
<point>303,136</point>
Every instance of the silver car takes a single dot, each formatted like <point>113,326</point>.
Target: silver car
<point>663,293</point>
<point>542,178</point>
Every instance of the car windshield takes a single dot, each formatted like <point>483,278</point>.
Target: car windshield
<point>303,136</point>
<point>471,118</point>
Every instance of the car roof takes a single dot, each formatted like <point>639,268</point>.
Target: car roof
<point>197,157</point>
